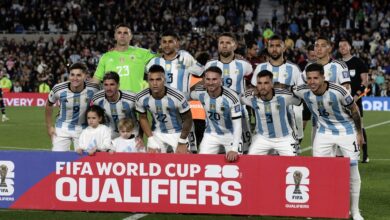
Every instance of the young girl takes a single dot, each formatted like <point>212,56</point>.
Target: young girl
<point>97,136</point>
<point>127,142</point>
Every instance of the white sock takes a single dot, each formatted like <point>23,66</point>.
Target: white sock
<point>354,186</point>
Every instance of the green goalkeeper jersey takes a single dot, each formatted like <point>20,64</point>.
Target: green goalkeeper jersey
<point>129,64</point>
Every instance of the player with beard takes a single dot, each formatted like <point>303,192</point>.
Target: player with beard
<point>117,104</point>
<point>271,106</point>
<point>223,121</point>
<point>234,70</point>
<point>285,75</point>
<point>339,124</point>
<point>170,111</point>
<point>177,73</point>
<point>358,72</point>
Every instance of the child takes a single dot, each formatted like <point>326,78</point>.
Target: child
<point>97,136</point>
<point>127,142</point>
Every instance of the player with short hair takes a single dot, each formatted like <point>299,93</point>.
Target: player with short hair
<point>117,104</point>
<point>177,73</point>
<point>339,124</point>
<point>271,105</point>
<point>285,75</point>
<point>74,97</point>
<point>358,73</point>
<point>234,70</point>
<point>128,61</point>
<point>170,112</point>
<point>334,70</point>
<point>223,115</point>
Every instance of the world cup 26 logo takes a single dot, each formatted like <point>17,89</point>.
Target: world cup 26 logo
<point>297,181</point>
<point>6,178</point>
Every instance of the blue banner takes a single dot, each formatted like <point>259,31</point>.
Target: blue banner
<point>376,103</point>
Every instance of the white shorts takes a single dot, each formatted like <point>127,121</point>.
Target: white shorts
<point>212,142</point>
<point>64,137</point>
<point>324,145</point>
<point>262,145</point>
<point>167,141</point>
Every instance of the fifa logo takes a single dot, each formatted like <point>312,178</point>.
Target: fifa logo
<point>6,178</point>
<point>297,181</point>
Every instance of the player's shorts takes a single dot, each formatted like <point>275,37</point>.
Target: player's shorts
<point>167,142</point>
<point>324,145</point>
<point>212,142</point>
<point>262,145</point>
<point>64,137</point>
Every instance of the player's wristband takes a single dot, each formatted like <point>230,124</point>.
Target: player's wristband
<point>183,141</point>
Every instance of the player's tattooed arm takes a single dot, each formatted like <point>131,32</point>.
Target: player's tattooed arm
<point>357,121</point>
<point>187,124</point>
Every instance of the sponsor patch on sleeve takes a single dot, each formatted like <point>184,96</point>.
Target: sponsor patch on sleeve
<point>348,100</point>
<point>185,104</point>
<point>346,74</point>
<point>237,108</point>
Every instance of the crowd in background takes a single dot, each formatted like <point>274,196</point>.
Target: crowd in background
<point>29,64</point>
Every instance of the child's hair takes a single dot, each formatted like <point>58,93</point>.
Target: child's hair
<point>126,123</point>
<point>98,110</point>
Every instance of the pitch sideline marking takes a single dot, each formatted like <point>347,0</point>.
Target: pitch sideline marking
<point>135,216</point>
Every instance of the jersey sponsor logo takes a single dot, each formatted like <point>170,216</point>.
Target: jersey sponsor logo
<point>297,187</point>
<point>345,74</point>
<point>7,176</point>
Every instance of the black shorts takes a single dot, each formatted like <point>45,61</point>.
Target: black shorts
<point>306,114</point>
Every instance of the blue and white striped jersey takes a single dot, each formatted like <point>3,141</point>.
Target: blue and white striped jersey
<point>233,73</point>
<point>329,109</point>
<point>124,107</point>
<point>177,75</point>
<point>288,73</point>
<point>166,111</point>
<point>220,111</point>
<point>73,105</point>
<point>271,116</point>
<point>335,71</point>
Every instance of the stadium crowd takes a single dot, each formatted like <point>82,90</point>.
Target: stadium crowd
<point>29,64</point>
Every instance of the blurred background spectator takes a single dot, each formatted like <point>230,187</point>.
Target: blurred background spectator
<point>29,63</point>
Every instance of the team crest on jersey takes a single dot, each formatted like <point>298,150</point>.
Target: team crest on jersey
<point>345,74</point>
<point>212,106</point>
<point>167,66</point>
<point>76,101</point>
<point>267,108</point>
<point>132,57</point>
<point>276,75</point>
<point>226,72</point>
<point>113,111</point>
<point>320,104</point>
<point>159,109</point>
